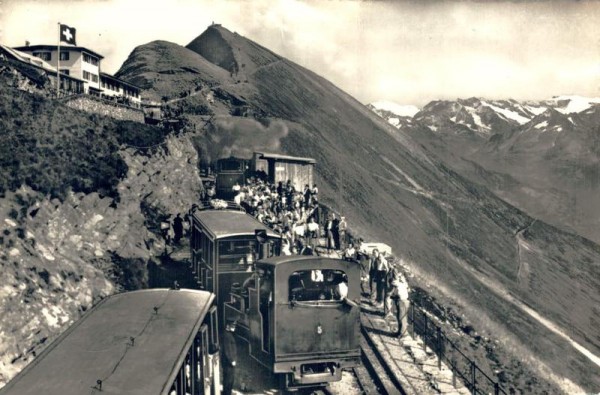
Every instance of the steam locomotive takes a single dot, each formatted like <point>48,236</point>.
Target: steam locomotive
<point>295,312</point>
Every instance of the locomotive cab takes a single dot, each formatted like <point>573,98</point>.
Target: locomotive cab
<point>300,319</point>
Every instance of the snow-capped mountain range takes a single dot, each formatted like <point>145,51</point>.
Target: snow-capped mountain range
<point>485,117</point>
<point>542,156</point>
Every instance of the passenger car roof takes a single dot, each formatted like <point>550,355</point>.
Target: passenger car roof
<point>98,346</point>
<point>226,223</point>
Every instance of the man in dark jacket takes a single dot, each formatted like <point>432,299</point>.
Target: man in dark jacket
<point>307,194</point>
<point>178,228</point>
<point>229,357</point>
<point>336,231</point>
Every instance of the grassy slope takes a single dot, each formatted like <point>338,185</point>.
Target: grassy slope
<point>391,190</point>
<point>52,148</point>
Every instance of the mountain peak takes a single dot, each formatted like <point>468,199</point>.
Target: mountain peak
<point>230,51</point>
<point>568,104</point>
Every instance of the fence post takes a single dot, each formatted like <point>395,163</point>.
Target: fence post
<point>473,379</point>
<point>425,333</point>
<point>412,320</point>
<point>439,347</point>
<point>496,389</point>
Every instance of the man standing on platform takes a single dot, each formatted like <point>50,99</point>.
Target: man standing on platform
<point>229,357</point>
<point>342,226</point>
<point>396,298</point>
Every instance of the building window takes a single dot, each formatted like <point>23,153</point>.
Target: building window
<point>47,56</point>
<point>65,72</point>
<point>90,59</point>
<point>86,75</point>
<point>94,78</point>
<point>64,55</point>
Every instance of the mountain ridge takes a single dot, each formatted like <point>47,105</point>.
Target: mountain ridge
<point>551,156</point>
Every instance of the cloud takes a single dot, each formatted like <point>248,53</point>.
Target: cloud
<point>410,52</point>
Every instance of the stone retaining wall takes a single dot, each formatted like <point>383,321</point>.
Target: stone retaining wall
<point>90,104</point>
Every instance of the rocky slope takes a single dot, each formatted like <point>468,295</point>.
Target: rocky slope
<point>490,258</point>
<point>74,229</point>
<point>62,256</point>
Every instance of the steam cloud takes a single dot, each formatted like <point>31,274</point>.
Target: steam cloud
<point>241,137</point>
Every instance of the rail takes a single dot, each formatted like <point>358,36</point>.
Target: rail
<point>463,367</point>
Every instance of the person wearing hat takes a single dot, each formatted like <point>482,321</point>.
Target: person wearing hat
<point>229,357</point>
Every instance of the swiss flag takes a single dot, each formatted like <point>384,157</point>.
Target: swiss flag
<point>67,34</point>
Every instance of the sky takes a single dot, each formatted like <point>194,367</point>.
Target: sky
<point>408,52</point>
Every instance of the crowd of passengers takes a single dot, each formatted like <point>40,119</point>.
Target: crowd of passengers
<point>299,218</point>
<point>295,214</point>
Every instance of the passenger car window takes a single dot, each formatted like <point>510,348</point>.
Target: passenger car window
<point>236,255</point>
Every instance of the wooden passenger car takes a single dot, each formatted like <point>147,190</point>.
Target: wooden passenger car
<point>224,248</point>
<point>295,320</point>
<point>144,342</point>
<point>281,168</point>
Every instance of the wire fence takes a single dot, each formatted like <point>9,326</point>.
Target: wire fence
<point>463,367</point>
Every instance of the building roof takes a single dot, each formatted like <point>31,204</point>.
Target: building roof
<point>284,158</point>
<point>112,77</point>
<point>98,346</point>
<point>226,223</point>
<point>33,61</point>
<point>26,58</point>
<point>54,47</point>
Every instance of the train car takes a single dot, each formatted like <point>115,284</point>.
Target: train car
<point>300,319</point>
<point>230,171</point>
<point>224,247</point>
<point>146,342</point>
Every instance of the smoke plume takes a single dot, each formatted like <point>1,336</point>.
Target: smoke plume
<point>241,137</point>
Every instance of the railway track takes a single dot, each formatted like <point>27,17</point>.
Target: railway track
<point>373,377</point>
<point>381,379</point>
<point>389,365</point>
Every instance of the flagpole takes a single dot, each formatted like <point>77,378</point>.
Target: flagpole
<point>58,65</point>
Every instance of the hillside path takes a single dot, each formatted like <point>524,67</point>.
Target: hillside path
<point>523,271</point>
